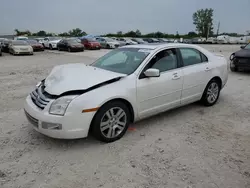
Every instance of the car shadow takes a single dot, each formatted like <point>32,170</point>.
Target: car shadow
<point>64,144</point>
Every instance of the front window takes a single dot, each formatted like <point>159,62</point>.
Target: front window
<point>247,46</point>
<point>122,60</point>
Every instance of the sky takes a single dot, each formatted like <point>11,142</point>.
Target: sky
<point>105,16</point>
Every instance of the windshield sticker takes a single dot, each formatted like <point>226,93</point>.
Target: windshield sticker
<point>145,50</point>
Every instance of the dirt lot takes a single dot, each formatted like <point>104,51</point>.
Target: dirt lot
<point>192,146</point>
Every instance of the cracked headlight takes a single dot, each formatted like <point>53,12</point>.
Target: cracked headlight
<point>60,105</point>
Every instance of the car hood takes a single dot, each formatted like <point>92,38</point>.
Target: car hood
<point>72,77</point>
<point>22,46</point>
<point>113,43</point>
<point>243,53</point>
<point>54,41</point>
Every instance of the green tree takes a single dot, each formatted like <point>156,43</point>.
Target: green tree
<point>177,35</point>
<point>20,33</point>
<point>77,32</point>
<point>119,34</point>
<point>17,32</point>
<point>130,34</point>
<point>138,33</point>
<point>192,34</point>
<point>203,20</point>
<point>41,33</point>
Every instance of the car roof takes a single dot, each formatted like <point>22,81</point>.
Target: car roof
<point>154,46</point>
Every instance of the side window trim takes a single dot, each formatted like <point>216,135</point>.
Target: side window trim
<point>178,58</point>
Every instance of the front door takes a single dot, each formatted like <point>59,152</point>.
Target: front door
<point>158,94</point>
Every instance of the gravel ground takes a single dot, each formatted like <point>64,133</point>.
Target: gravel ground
<point>193,146</point>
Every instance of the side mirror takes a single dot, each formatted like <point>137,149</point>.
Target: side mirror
<point>152,73</point>
<point>242,47</point>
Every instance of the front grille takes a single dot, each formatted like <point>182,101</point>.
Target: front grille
<point>40,98</point>
<point>242,61</point>
<point>31,119</point>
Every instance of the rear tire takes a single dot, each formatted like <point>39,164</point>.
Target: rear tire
<point>211,93</point>
<point>111,121</point>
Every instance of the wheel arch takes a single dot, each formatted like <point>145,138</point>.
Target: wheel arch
<point>217,78</point>
<point>126,102</point>
<point>214,78</point>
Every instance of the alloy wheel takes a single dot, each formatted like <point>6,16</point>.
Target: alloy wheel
<point>113,122</point>
<point>212,92</point>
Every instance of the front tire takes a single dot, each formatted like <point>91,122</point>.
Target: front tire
<point>234,69</point>
<point>111,121</point>
<point>211,93</point>
<point>50,47</point>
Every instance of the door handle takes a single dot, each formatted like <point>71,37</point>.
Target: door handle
<point>175,76</point>
<point>207,69</point>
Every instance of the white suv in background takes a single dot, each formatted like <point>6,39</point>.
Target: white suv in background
<point>51,42</point>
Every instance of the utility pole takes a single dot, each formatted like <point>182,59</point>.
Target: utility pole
<point>218,29</point>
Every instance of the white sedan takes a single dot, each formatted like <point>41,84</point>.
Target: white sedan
<point>122,87</point>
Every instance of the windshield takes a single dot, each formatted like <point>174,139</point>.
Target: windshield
<point>91,40</point>
<point>19,43</point>
<point>140,40</point>
<point>109,40</point>
<point>32,41</point>
<point>247,46</point>
<point>73,41</point>
<point>122,60</point>
<point>54,38</point>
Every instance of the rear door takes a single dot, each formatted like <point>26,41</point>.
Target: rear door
<point>196,73</point>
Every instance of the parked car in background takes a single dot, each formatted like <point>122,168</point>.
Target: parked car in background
<point>139,40</point>
<point>18,47</point>
<point>148,40</point>
<point>20,38</point>
<point>163,40</point>
<point>240,60</point>
<point>155,40</point>
<point>39,40</point>
<point>51,42</point>
<point>5,45</point>
<point>121,43</point>
<point>35,45</point>
<point>211,40</point>
<point>108,42</point>
<point>125,85</point>
<point>70,45</point>
<point>91,43</point>
<point>127,41</point>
